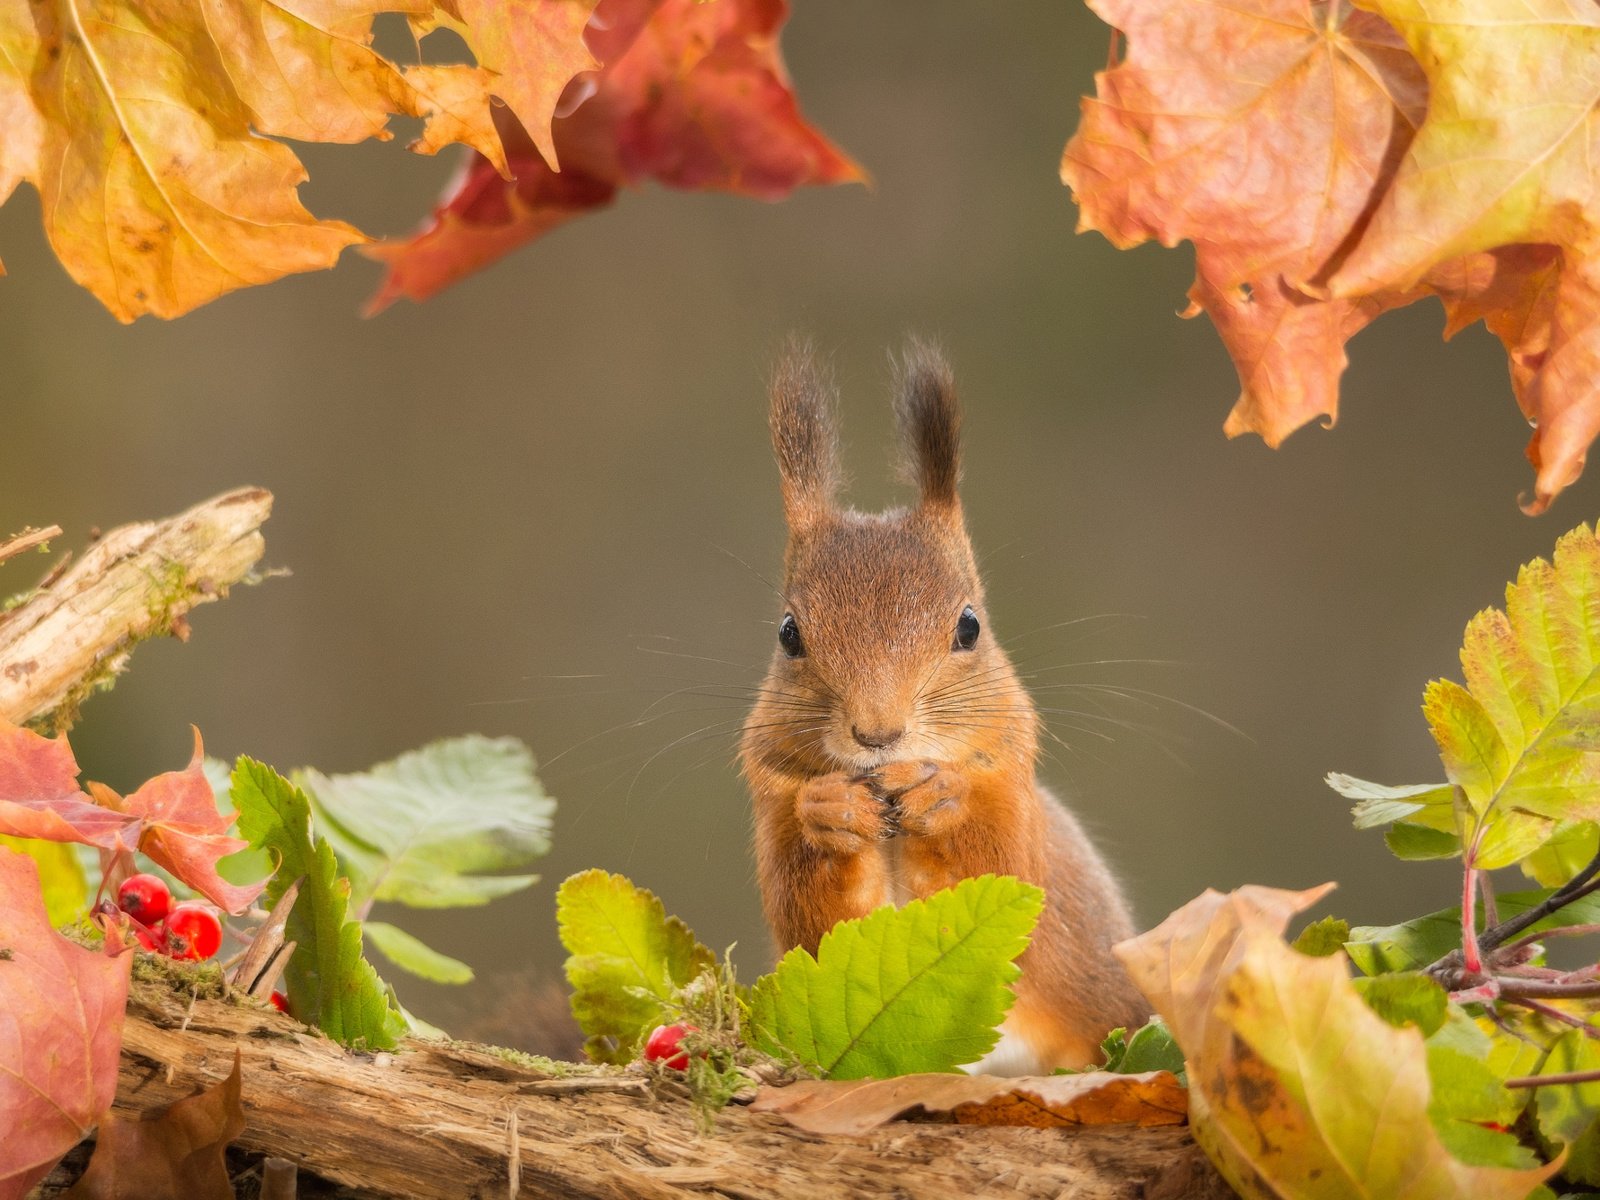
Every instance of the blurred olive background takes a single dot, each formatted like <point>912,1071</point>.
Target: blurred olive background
<point>542,502</point>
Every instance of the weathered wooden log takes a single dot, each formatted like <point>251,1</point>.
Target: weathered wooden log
<point>443,1120</point>
<point>75,631</point>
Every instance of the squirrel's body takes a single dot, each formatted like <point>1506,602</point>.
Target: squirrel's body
<point>891,751</point>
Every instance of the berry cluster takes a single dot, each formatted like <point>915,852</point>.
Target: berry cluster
<point>189,930</point>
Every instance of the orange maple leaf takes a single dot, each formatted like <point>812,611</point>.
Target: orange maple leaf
<point>692,95</point>
<point>1506,161</point>
<point>1262,132</point>
<point>532,49</point>
<point>139,121</point>
<point>1325,177</point>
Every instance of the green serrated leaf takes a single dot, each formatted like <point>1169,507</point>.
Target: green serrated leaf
<point>61,875</point>
<point>1113,1048</point>
<point>414,955</point>
<point>1418,843</point>
<point>1570,848</point>
<point>1405,998</point>
<point>1569,1114</point>
<point>919,988</point>
<point>248,865</point>
<point>1520,739</point>
<point>1322,938</point>
<point>330,984</point>
<point>434,828</point>
<point>628,959</point>
<point>1151,1048</point>
<point>1377,949</point>
<point>1468,1097</point>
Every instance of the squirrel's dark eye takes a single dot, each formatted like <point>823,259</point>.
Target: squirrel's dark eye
<point>789,637</point>
<point>966,630</point>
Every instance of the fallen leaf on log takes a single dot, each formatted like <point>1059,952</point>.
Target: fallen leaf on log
<point>177,1156</point>
<point>1296,1086</point>
<point>61,1013</point>
<point>1043,1101</point>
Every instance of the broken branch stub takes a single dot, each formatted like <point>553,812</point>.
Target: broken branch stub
<point>74,632</point>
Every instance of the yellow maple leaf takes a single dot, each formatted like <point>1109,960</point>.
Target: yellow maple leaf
<point>1506,159</point>
<point>140,122</point>
<point>1296,1087</point>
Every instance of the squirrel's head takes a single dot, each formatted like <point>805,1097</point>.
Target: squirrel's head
<point>883,648</point>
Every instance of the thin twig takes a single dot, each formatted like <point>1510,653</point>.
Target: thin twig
<point>263,948</point>
<point>27,540</point>
<point>1533,1081</point>
<point>1555,1014</point>
<point>584,1083</point>
<point>1512,988</point>
<point>1579,886</point>
<point>279,1179</point>
<point>1529,939</point>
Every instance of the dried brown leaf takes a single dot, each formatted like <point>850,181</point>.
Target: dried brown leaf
<point>1043,1101</point>
<point>176,1156</point>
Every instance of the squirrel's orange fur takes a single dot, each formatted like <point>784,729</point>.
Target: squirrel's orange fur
<point>886,761</point>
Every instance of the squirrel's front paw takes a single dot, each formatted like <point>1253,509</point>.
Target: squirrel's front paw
<point>925,797</point>
<point>840,815</point>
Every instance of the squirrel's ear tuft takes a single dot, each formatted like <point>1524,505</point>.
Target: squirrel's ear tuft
<point>930,423</point>
<point>804,434</point>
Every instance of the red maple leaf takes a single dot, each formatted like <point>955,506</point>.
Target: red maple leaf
<point>61,1009</point>
<point>692,95</point>
<point>181,829</point>
<point>40,797</point>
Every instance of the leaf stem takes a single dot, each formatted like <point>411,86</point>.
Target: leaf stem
<point>1470,957</point>
<point>1579,886</point>
<point>1533,1081</point>
<point>1512,988</point>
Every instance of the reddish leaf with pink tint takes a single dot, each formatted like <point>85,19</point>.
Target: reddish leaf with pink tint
<point>40,797</point>
<point>183,831</point>
<point>691,95</point>
<point>61,1012</point>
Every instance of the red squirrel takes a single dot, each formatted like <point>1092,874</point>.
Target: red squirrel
<point>891,750</point>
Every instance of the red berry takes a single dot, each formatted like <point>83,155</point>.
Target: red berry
<point>193,931</point>
<point>153,940</point>
<point>665,1046</point>
<point>279,1001</point>
<point>145,898</point>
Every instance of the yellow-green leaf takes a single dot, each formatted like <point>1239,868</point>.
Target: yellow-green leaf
<point>1296,1087</point>
<point>66,888</point>
<point>1520,740</point>
<point>628,958</point>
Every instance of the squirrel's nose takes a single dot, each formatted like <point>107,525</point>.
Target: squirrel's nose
<point>876,739</point>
